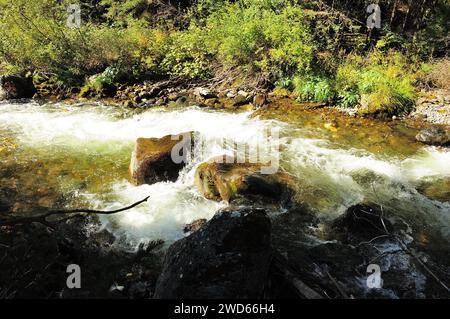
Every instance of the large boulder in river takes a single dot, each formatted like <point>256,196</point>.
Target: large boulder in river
<point>228,258</point>
<point>160,159</point>
<point>16,87</point>
<point>221,178</point>
<point>435,135</point>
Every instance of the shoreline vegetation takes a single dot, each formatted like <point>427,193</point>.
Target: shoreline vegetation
<point>139,52</point>
<point>273,56</point>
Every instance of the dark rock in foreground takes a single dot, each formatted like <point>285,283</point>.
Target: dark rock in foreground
<point>228,258</point>
<point>16,87</point>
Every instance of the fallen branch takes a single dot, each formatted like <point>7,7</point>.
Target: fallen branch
<point>74,212</point>
<point>302,289</point>
<point>338,286</point>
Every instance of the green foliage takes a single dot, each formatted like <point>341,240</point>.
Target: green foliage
<point>384,82</point>
<point>34,35</point>
<point>314,89</point>
<point>264,36</point>
<point>185,55</point>
<point>285,83</point>
<point>296,45</point>
<point>348,98</point>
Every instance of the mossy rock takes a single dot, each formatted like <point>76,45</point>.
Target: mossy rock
<point>222,178</point>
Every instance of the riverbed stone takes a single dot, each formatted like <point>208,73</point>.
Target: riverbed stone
<point>16,86</point>
<point>433,106</point>
<point>437,189</point>
<point>152,160</point>
<point>211,102</point>
<point>242,98</point>
<point>435,135</point>
<point>204,93</point>
<point>223,178</point>
<point>228,258</point>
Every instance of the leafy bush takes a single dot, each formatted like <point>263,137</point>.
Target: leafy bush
<point>384,82</point>
<point>185,55</point>
<point>296,45</point>
<point>264,36</point>
<point>34,35</point>
<point>348,98</point>
<point>314,89</point>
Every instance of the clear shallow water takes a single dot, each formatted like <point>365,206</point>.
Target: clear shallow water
<point>77,156</point>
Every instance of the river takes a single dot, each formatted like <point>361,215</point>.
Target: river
<point>58,155</point>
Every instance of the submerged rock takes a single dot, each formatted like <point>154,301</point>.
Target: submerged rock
<point>222,178</point>
<point>438,189</point>
<point>16,87</point>
<point>361,222</point>
<point>228,258</point>
<point>160,159</point>
<point>435,135</point>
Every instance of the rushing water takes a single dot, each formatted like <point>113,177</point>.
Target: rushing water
<point>78,155</point>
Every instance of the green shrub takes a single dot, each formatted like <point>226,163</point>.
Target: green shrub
<point>285,83</point>
<point>34,35</point>
<point>263,36</point>
<point>185,55</point>
<point>285,42</point>
<point>314,89</point>
<point>348,98</point>
<point>384,82</point>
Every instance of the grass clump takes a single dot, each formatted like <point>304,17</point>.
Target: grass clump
<point>383,82</point>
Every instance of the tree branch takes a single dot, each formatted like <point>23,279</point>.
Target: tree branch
<point>43,218</point>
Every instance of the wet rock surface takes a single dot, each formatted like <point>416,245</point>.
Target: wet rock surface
<point>196,225</point>
<point>160,159</point>
<point>361,222</point>
<point>222,178</point>
<point>38,257</point>
<point>228,257</point>
<point>338,263</point>
<point>435,135</point>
